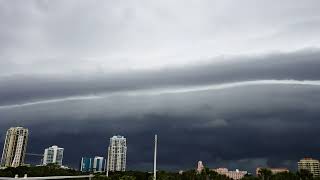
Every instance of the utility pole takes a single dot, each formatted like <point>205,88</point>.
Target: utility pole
<point>107,165</point>
<point>155,158</point>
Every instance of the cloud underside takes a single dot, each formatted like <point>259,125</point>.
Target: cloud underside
<point>234,127</point>
<point>169,91</point>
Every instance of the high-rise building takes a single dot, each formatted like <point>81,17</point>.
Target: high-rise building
<point>117,154</point>
<point>15,147</point>
<point>53,155</point>
<point>95,164</point>
<point>312,165</point>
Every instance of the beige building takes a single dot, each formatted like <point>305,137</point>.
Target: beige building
<point>312,165</point>
<point>15,146</point>
<point>200,167</point>
<point>236,175</point>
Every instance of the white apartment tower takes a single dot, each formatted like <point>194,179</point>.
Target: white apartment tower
<point>53,155</point>
<point>117,154</point>
<point>15,146</point>
<point>312,165</point>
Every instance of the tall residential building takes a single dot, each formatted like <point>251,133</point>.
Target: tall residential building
<point>117,154</point>
<point>53,155</point>
<point>15,147</point>
<point>312,165</point>
<point>95,164</point>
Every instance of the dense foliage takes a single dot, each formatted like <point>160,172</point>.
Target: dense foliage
<point>53,170</point>
<point>266,174</point>
<point>162,175</point>
<point>39,171</point>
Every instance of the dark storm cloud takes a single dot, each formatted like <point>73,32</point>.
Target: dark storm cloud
<point>230,127</point>
<point>300,65</point>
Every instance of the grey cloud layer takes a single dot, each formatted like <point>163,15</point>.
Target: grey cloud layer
<point>300,65</point>
<point>230,127</point>
<point>59,36</point>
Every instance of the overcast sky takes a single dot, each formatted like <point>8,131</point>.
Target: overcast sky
<point>235,84</point>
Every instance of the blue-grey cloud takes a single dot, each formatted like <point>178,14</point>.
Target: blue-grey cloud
<point>20,89</point>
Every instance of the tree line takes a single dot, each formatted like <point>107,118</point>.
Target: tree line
<point>206,174</point>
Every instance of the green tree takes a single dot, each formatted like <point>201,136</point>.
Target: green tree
<point>284,176</point>
<point>125,177</point>
<point>305,174</point>
<point>250,177</point>
<point>265,174</point>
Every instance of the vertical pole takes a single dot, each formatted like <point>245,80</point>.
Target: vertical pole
<point>107,166</point>
<point>155,158</point>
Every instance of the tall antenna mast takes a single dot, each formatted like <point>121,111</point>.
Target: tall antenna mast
<point>155,158</point>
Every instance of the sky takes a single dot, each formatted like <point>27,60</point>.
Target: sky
<point>234,84</point>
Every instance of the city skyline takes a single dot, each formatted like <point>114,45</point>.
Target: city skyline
<point>234,84</point>
<point>116,156</point>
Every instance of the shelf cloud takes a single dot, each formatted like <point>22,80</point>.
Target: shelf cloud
<point>170,91</point>
<point>234,84</point>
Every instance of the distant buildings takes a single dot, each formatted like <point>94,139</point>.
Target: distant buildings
<point>273,170</point>
<point>95,164</point>
<point>312,165</point>
<point>231,174</point>
<point>53,155</point>
<point>200,167</point>
<point>98,164</point>
<point>14,152</point>
<point>15,146</point>
<point>117,154</point>
<point>86,164</point>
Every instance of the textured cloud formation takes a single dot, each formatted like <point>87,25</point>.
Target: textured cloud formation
<point>301,65</point>
<point>172,91</point>
<point>234,84</point>
<point>79,36</point>
<point>220,127</point>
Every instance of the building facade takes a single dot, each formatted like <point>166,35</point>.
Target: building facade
<point>200,167</point>
<point>86,164</point>
<point>236,175</point>
<point>312,165</point>
<point>53,155</point>
<point>98,164</point>
<point>15,147</point>
<point>117,154</point>
<point>95,164</point>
